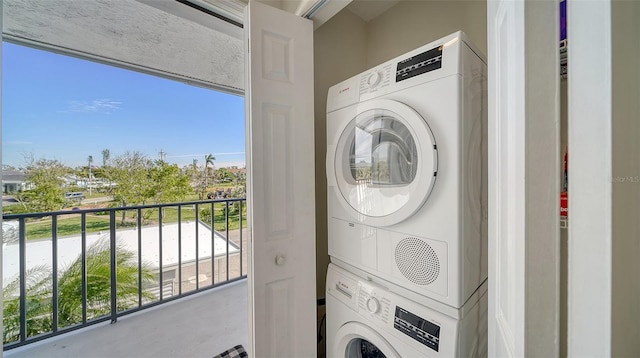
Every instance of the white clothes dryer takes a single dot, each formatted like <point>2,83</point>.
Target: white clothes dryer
<point>407,169</point>
<point>368,319</point>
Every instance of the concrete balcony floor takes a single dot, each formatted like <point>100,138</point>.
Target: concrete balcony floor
<point>201,325</point>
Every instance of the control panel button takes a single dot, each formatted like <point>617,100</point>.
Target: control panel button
<point>373,305</point>
<point>374,79</point>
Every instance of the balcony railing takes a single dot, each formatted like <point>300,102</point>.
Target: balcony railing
<point>70,269</point>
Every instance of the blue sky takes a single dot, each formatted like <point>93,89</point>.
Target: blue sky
<point>64,108</point>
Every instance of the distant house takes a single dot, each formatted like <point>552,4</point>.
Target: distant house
<point>14,181</point>
<point>81,182</point>
<point>73,180</point>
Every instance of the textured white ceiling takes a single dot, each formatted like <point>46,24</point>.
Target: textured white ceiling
<point>128,32</point>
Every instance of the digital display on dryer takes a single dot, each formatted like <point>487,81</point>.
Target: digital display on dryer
<point>419,64</point>
<point>418,328</point>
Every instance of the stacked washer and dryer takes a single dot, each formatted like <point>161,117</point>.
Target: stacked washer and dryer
<point>407,206</point>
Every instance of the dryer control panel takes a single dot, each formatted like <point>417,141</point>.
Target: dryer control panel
<point>376,79</point>
<point>419,64</point>
<point>389,73</point>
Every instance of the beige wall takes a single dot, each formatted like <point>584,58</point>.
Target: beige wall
<point>339,53</point>
<point>411,24</point>
<point>346,45</point>
<point>625,300</point>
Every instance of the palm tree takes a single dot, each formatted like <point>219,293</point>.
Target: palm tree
<point>99,283</point>
<point>106,154</point>
<point>208,159</point>
<point>39,291</point>
<point>90,160</point>
<point>39,314</point>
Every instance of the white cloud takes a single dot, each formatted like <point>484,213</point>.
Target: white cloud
<point>17,142</point>
<point>103,105</point>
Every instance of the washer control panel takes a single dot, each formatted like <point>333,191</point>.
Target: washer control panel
<point>373,302</point>
<point>420,329</point>
<point>344,289</point>
<point>389,312</point>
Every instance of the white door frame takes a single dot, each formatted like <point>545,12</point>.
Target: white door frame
<point>1,252</point>
<point>590,178</point>
<point>524,172</point>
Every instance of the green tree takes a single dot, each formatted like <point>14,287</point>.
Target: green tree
<point>39,291</point>
<point>239,191</point>
<point>205,215</point>
<point>140,181</point>
<point>47,178</point>
<point>196,178</point>
<point>224,175</point>
<point>130,171</point>
<point>199,184</point>
<point>169,183</point>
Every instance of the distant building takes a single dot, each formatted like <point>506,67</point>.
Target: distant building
<point>235,170</point>
<point>94,183</point>
<point>14,181</point>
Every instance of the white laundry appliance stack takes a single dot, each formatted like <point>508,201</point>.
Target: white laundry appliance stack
<point>407,177</point>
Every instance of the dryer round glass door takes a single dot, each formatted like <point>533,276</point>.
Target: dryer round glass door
<point>385,163</point>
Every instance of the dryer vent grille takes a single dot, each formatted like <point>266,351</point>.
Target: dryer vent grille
<point>417,261</point>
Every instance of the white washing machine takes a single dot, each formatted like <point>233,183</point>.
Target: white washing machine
<point>368,319</point>
<point>407,170</point>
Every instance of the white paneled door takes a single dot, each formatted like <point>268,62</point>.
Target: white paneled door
<point>506,169</point>
<point>524,177</point>
<point>281,202</point>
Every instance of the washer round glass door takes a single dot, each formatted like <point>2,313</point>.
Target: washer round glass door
<point>355,340</point>
<point>385,162</point>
